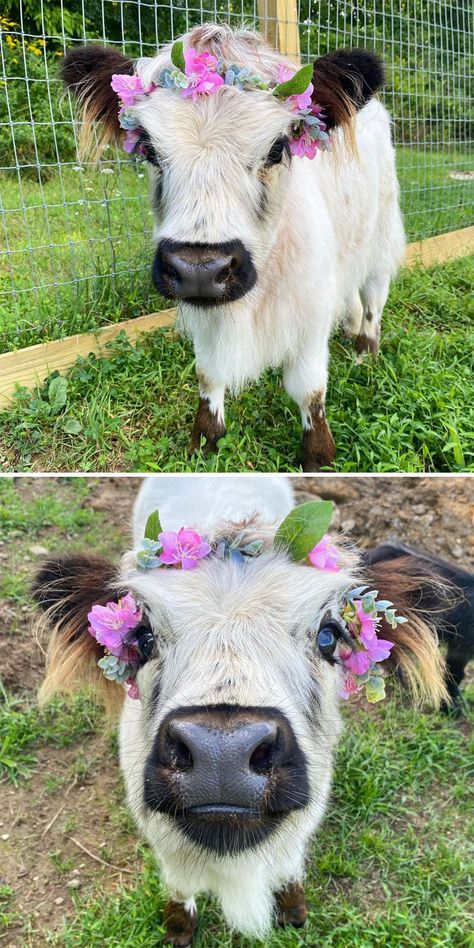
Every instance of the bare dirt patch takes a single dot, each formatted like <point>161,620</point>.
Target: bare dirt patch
<point>76,792</point>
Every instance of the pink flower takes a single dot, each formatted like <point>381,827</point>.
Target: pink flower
<point>379,649</point>
<point>201,68</point>
<point>349,686</point>
<point>184,548</point>
<point>132,688</point>
<point>285,73</point>
<point>325,555</point>
<point>297,102</point>
<point>109,624</point>
<point>357,662</point>
<point>304,146</point>
<point>367,625</point>
<point>128,88</point>
<point>132,137</point>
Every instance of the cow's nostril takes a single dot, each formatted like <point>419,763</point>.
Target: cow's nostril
<point>263,757</point>
<point>223,274</point>
<point>180,755</point>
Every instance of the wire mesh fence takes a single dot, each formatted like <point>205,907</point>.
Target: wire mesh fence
<point>75,238</point>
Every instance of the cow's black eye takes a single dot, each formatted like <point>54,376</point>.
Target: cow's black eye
<point>279,148</point>
<point>327,640</point>
<point>145,641</point>
<point>145,149</point>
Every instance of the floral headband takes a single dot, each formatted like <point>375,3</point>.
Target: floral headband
<point>116,626</point>
<point>194,74</point>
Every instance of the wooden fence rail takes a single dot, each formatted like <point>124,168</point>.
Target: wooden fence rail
<point>30,367</point>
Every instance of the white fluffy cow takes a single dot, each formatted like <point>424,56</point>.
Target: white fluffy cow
<point>264,251</point>
<point>227,755</point>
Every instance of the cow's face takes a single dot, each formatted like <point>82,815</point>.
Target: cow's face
<point>239,698</point>
<point>219,166</point>
<point>219,171</point>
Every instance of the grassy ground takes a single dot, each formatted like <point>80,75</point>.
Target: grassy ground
<point>411,410</point>
<point>391,865</point>
<point>85,223</point>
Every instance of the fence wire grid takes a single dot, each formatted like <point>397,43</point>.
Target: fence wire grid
<point>75,248</point>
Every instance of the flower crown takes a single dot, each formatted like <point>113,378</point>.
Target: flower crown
<point>194,74</point>
<point>116,626</point>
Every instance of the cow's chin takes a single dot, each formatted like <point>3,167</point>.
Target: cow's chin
<point>225,830</point>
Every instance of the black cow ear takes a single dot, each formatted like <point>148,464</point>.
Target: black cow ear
<point>65,589</point>
<point>87,71</point>
<point>344,81</point>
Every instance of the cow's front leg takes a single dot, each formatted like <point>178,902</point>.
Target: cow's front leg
<point>305,381</point>
<point>180,920</point>
<point>291,905</point>
<point>209,421</point>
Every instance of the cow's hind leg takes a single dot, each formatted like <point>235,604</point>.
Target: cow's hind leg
<point>305,380</point>
<point>180,921</point>
<point>291,905</point>
<point>460,652</point>
<point>209,420</point>
<point>374,295</point>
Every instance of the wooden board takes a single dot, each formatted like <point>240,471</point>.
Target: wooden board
<point>31,366</point>
<point>439,249</point>
<point>278,23</point>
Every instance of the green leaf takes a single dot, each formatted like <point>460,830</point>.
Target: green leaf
<point>153,526</point>
<point>375,690</point>
<point>177,55</point>
<point>297,84</point>
<point>303,528</point>
<point>72,426</point>
<point>57,394</point>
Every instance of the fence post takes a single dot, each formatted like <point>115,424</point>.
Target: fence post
<point>278,21</point>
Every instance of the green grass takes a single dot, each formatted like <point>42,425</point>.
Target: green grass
<point>62,235</point>
<point>23,729</point>
<point>390,866</point>
<point>410,410</point>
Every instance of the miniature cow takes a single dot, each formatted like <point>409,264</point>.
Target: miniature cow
<point>227,753</point>
<point>265,251</point>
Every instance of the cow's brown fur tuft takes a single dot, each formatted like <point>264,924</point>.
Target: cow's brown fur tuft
<point>88,72</point>
<point>416,652</point>
<point>65,589</point>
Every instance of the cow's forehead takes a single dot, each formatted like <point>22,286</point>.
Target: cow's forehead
<point>268,592</point>
<point>240,124</point>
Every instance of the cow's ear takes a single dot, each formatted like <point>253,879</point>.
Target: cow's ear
<point>65,589</point>
<point>87,71</point>
<point>411,586</point>
<point>344,81</point>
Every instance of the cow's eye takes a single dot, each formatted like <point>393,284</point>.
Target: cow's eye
<point>145,148</point>
<point>145,641</point>
<point>327,639</point>
<point>278,149</point>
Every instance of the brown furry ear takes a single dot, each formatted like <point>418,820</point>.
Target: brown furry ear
<point>416,652</point>
<point>344,81</point>
<point>65,589</point>
<point>87,72</point>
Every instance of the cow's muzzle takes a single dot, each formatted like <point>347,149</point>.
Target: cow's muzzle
<point>203,274</point>
<point>228,775</point>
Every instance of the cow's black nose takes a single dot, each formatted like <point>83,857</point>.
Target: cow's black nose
<point>203,274</point>
<point>223,767</point>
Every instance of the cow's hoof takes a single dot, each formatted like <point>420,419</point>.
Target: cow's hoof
<point>454,708</point>
<point>363,343</point>
<point>291,906</point>
<point>206,447</point>
<point>180,925</point>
